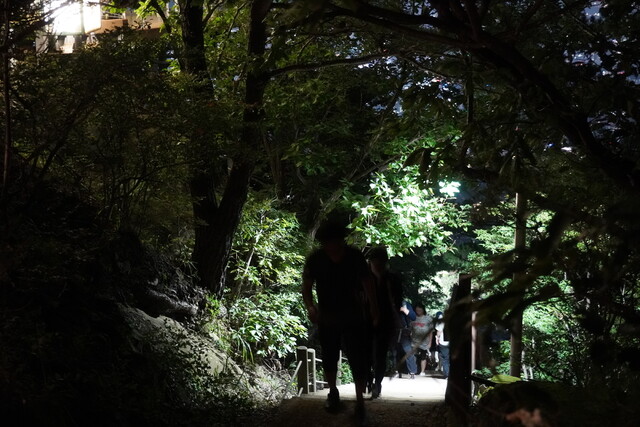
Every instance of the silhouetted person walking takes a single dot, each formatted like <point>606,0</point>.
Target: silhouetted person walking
<point>389,298</point>
<point>345,311</point>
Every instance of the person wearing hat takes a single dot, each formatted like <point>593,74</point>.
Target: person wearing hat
<point>345,311</point>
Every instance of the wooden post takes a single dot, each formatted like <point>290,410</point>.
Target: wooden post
<point>458,322</point>
<point>475,364</point>
<point>303,373</point>
<point>311,369</point>
<point>338,373</point>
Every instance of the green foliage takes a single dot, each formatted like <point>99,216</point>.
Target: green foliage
<point>547,108</point>
<point>267,248</point>
<point>266,322</point>
<point>557,343</point>
<point>399,213</point>
<point>436,291</point>
<point>105,122</point>
<point>229,339</point>
<point>344,373</point>
<point>263,325</point>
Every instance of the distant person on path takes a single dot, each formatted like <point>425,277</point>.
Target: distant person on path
<point>407,315</point>
<point>345,311</point>
<point>421,332</point>
<point>389,296</point>
<point>433,348</point>
<point>442,341</point>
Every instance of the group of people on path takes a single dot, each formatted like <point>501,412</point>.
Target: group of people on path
<point>423,339</point>
<point>360,309</point>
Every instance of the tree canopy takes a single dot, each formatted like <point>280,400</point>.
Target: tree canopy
<point>227,138</point>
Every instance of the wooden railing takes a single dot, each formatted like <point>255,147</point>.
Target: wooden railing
<point>306,373</point>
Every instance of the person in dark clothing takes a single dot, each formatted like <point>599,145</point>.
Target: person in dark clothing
<point>407,315</point>
<point>442,341</point>
<point>389,298</point>
<point>433,349</point>
<point>345,311</point>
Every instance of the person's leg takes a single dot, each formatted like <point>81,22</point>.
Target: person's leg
<point>357,345</point>
<point>330,343</point>
<point>360,364</point>
<point>444,356</point>
<point>410,356</point>
<point>330,354</point>
<point>382,341</point>
<point>331,377</point>
<point>416,353</point>
<point>361,385</point>
<point>423,365</point>
<point>398,353</point>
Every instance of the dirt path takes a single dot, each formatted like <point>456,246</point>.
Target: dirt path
<point>303,412</point>
<point>403,403</point>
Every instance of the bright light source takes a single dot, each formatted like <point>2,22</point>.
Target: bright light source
<point>74,17</point>
<point>449,188</point>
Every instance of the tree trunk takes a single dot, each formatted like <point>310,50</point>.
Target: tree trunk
<point>6,63</point>
<point>202,183</point>
<point>515,354</point>
<point>216,223</point>
<point>193,57</point>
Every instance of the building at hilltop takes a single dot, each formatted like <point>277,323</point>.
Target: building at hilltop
<point>78,23</point>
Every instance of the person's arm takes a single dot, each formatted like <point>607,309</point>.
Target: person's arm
<point>443,341</point>
<point>307,295</point>
<point>411,313</point>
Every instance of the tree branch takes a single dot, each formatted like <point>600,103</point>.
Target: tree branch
<point>210,10</point>
<point>528,15</point>
<point>398,27</point>
<point>326,64</point>
<point>489,47</point>
<point>474,16</point>
<point>408,58</point>
<point>397,17</point>
<point>156,6</point>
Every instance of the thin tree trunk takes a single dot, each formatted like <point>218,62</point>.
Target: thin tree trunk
<point>515,355</point>
<point>7,102</point>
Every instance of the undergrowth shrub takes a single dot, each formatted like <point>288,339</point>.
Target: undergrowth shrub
<point>261,326</point>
